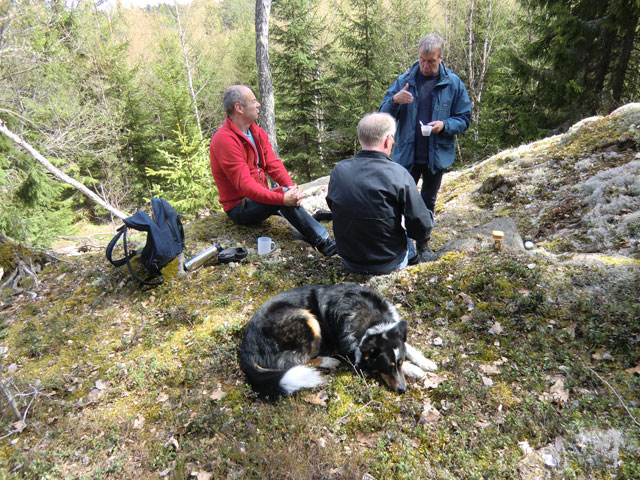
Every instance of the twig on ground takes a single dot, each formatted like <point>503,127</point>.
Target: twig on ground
<point>20,417</point>
<point>46,254</point>
<point>10,400</point>
<point>615,393</point>
<point>344,417</point>
<point>357,371</point>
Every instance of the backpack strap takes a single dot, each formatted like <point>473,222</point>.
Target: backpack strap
<point>118,263</point>
<point>127,259</point>
<point>128,255</point>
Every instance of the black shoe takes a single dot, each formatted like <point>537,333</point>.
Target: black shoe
<point>323,216</point>
<point>327,247</point>
<point>414,260</point>
<point>425,254</point>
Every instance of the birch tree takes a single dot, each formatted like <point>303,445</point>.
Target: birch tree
<point>267,108</point>
<point>471,30</point>
<point>182,33</point>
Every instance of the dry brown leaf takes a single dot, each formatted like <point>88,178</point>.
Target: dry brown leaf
<point>571,330</point>
<point>489,370</point>
<point>368,440</point>
<point>558,393</point>
<point>602,355</point>
<point>201,475</point>
<point>218,394</point>
<point>496,329</point>
<point>19,426</point>
<point>430,414</point>
<point>633,370</point>
<point>163,397</point>
<point>321,398</point>
<point>432,380</point>
<point>138,423</point>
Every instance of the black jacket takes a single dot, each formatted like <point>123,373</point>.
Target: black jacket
<point>368,196</point>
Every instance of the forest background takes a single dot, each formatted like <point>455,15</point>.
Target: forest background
<point>125,100</point>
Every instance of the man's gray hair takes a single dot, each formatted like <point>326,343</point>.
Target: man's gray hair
<point>373,128</point>
<point>231,96</point>
<point>430,42</point>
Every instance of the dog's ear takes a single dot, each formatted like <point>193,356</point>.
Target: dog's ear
<point>402,330</point>
<point>369,346</point>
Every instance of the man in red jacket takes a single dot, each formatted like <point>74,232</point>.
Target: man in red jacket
<point>242,157</point>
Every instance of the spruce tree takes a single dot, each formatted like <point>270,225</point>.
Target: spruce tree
<point>297,64</point>
<point>361,70</point>
<point>584,57</point>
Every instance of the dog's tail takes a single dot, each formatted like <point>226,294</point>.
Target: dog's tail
<point>275,383</point>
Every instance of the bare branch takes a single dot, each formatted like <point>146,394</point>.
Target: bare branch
<point>57,173</point>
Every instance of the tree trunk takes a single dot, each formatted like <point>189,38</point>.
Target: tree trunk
<point>267,112</point>
<point>182,34</point>
<point>57,173</point>
<point>623,60</point>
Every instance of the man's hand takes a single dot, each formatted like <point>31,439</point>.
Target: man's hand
<point>403,96</point>
<point>437,126</point>
<point>293,197</point>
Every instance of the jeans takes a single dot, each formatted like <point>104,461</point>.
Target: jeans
<point>395,264</point>
<point>249,212</point>
<point>430,183</point>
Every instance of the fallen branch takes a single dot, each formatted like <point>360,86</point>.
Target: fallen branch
<point>58,173</point>
<point>10,400</point>
<point>20,417</point>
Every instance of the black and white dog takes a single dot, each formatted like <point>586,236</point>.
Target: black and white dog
<point>297,330</point>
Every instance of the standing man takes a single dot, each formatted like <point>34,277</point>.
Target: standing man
<point>431,95</point>
<point>370,197</point>
<point>242,157</point>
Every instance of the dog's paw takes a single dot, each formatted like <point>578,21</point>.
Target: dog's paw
<point>419,359</point>
<point>427,365</point>
<point>328,362</point>
<point>413,371</point>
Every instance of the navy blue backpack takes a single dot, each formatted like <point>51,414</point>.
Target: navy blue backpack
<point>165,240</point>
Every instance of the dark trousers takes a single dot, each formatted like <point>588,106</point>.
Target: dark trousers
<point>249,212</point>
<point>430,183</point>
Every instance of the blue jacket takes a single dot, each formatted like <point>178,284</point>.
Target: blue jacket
<point>450,104</point>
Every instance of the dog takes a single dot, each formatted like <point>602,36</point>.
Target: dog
<point>298,330</point>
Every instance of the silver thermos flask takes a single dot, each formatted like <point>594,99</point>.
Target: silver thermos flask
<point>202,257</point>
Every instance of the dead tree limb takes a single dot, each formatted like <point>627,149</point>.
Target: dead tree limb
<point>58,173</point>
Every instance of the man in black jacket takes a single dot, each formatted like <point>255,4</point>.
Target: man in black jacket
<point>375,203</point>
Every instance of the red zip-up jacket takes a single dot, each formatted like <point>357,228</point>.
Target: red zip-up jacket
<point>239,168</point>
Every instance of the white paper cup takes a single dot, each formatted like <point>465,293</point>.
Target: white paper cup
<point>265,246</point>
<point>426,130</point>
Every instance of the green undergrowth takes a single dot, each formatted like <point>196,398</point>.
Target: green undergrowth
<point>133,383</point>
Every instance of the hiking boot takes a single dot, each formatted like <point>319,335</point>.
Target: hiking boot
<point>327,247</point>
<point>425,254</point>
